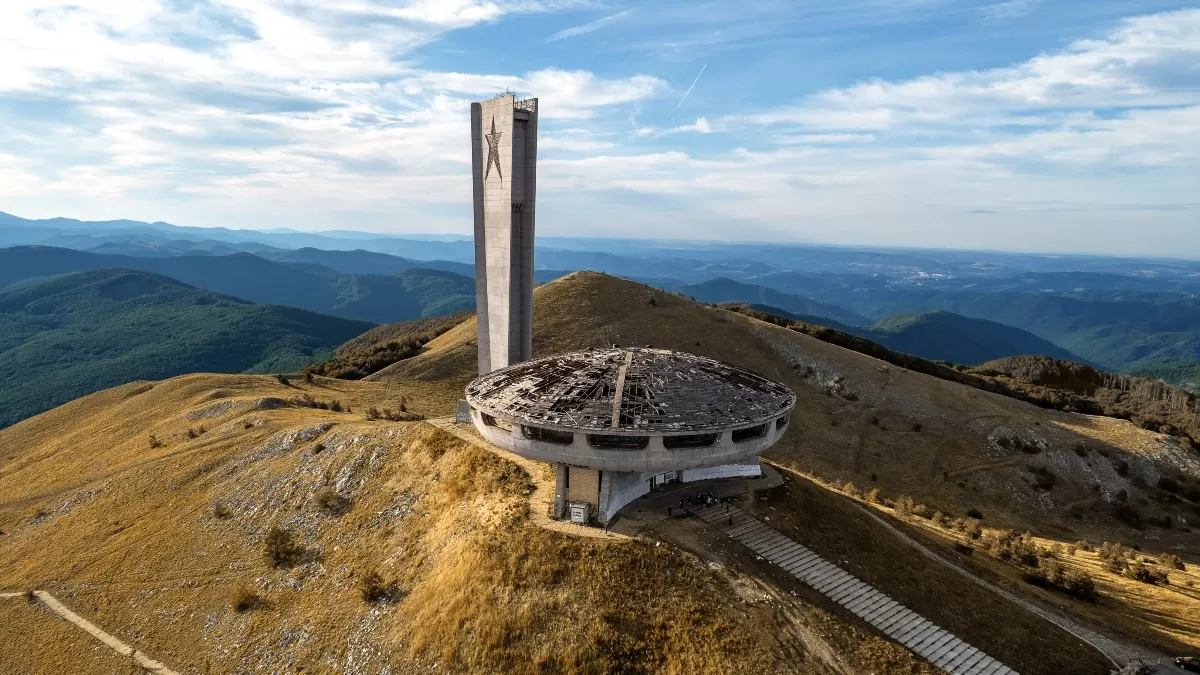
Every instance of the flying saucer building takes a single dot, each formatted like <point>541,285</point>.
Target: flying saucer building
<point>613,422</point>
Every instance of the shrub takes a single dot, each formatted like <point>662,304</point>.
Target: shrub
<point>335,405</point>
<point>308,376</point>
<point>1050,573</point>
<point>1114,556</point>
<point>1127,514</point>
<point>281,548</point>
<point>221,510</point>
<point>1167,483</point>
<point>1172,561</point>
<point>195,432</point>
<point>1043,479</point>
<point>247,424</point>
<point>372,413</point>
<point>969,527</point>
<point>975,513</point>
<point>906,505</point>
<point>849,489</point>
<point>330,501</point>
<point>283,380</point>
<point>873,496</point>
<point>376,589</point>
<point>1147,575</point>
<point>318,448</point>
<point>1008,545</point>
<point>154,442</point>
<point>30,597</point>
<point>243,599</point>
<point>1084,544</point>
<point>1163,521</point>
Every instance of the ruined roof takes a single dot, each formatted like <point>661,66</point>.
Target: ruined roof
<point>655,391</point>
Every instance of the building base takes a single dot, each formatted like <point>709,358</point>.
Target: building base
<point>609,491</point>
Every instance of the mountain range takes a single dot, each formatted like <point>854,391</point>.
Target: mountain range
<point>78,333</point>
<point>411,293</point>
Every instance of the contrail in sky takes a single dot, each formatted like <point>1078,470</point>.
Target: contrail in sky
<point>685,94</point>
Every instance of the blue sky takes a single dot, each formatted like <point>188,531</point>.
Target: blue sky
<point>1023,125</point>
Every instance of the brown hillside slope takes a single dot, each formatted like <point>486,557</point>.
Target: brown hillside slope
<point>163,545</point>
<point>954,446</point>
<point>860,420</point>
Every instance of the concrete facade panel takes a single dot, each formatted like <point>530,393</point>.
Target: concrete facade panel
<point>504,161</point>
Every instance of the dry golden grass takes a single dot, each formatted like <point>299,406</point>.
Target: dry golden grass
<point>833,527</point>
<point>129,538</point>
<point>864,421</point>
<point>37,640</point>
<point>1166,617</point>
<point>125,530</point>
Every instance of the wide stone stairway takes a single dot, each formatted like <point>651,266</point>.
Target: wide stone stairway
<point>898,622</point>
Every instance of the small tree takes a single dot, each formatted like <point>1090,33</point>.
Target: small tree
<point>283,379</point>
<point>281,548</point>
<point>243,599</point>
<point>375,589</point>
<point>329,501</point>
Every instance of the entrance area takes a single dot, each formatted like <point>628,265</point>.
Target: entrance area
<point>671,498</point>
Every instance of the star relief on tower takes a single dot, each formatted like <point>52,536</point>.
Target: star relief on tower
<point>493,140</point>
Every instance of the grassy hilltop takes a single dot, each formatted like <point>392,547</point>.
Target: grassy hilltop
<point>149,507</point>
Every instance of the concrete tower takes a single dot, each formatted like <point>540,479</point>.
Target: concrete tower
<point>504,165</point>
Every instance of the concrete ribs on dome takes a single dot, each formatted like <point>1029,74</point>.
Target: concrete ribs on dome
<point>654,390</point>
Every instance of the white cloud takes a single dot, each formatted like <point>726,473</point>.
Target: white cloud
<point>1011,9</point>
<point>327,114</point>
<point>700,126</point>
<point>305,106</point>
<point>1147,61</point>
<point>586,28</point>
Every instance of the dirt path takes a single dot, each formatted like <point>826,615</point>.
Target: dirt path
<point>144,662</point>
<point>542,499</point>
<point>1119,652</point>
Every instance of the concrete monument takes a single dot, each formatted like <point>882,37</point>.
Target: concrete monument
<point>504,165</point>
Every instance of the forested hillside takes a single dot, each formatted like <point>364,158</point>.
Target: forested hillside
<point>410,294</point>
<point>76,334</point>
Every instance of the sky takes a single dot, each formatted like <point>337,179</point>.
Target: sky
<point>1031,125</point>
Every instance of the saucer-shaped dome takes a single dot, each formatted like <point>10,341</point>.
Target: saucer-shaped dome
<point>635,390</point>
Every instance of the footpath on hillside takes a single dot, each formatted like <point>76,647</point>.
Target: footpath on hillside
<point>143,661</point>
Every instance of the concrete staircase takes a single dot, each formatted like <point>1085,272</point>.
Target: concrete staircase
<point>898,622</point>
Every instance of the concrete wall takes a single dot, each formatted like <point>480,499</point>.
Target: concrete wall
<point>617,489</point>
<point>655,458</point>
<point>723,471</point>
<point>505,189</point>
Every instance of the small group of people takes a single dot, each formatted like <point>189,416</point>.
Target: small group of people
<point>703,500</point>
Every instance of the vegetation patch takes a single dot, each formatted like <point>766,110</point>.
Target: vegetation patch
<point>1040,380</point>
